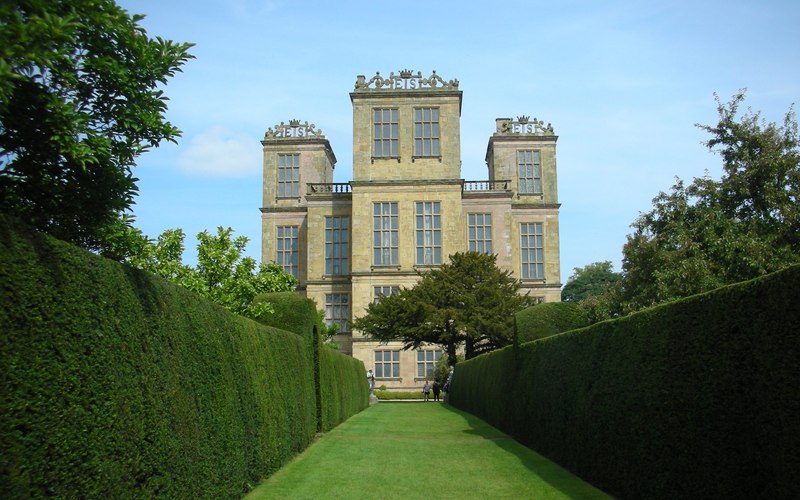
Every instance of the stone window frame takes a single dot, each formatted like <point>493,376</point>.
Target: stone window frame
<point>479,233</point>
<point>385,240</point>
<point>531,251</point>
<point>427,132</point>
<point>529,171</point>
<point>392,362</point>
<point>384,147</point>
<point>428,233</point>
<point>287,249</point>
<point>428,366</point>
<point>337,245</point>
<point>337,310</point>
<point>290,183</point>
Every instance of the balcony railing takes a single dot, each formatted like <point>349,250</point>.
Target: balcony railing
<point>333,187</point>
<point>503,185</point>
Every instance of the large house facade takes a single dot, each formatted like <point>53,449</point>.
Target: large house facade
<point>407,208</point>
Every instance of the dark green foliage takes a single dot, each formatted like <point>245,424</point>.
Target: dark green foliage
<point>118,384</point>
<point>468,301</point>
<point>342,386</point>
<point>711,233</point>
<point>692,399</point>
<point>292,312</point>
<point>344,390</point>
<point>596,287</point>
<point>80,98</point>
<point>544,320</point>
<point>589,281</point>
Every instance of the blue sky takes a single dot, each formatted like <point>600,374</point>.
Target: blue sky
<point>623,84</point>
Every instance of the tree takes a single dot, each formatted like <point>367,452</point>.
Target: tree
<point>595,287</point>
<point>79,101</point>
<point>442,368</point>
<point>467,301</point>
<point>588,281</point>
<point>222,274</point>
<point>712,233</point>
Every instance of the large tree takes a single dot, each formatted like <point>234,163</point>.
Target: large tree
<point>588,281</point>
<point>711,233</point>
<point>80,99</point>
<point>222,274</point>
<point>468,301</point>
<point>595,288</point>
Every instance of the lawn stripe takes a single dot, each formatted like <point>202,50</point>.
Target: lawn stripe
<point>420,451</point>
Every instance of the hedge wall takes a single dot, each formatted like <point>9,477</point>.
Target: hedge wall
<point>694,399</point>
<point>543,320</point>
<point>292,312</point>
<point>344,390</point>
<point>117,384</point>
<point>342,386</point>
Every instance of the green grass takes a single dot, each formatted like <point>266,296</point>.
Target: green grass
<point>420,450</point>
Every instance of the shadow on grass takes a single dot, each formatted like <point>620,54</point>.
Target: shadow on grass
<point>550,472</point>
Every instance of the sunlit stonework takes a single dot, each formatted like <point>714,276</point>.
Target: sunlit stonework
<point>406,207</point>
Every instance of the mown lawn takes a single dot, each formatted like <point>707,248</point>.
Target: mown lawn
<point>420,450</point>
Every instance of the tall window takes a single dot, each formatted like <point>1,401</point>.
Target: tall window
<point>387,364</point>
<point>337,245</point>
<point>530,172</point>
<point>532,250</point>
<point>288,176</point>
<point>429,233</point>
<point>337,310</point>
<point>384,133</point>
<point>426,132</point>
<point>384,234</point>
<point>426,363</point>
<point>379,292</point>
<point>479,233</point>
<point>287,249</point>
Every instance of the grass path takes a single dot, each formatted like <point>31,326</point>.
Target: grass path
<point>420,450</point>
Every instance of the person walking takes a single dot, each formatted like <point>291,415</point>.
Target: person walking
<point>426,391</point>
<point>436,390</point>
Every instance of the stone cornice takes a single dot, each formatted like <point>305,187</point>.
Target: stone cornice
<point>523,206</point>
<point>326,280</point>
<point>480,195</point>
<point>273,210</point>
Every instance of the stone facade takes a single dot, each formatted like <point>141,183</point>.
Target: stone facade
<point>407,208</point>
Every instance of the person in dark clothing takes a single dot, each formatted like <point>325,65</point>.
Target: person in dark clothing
<point>436,390</point>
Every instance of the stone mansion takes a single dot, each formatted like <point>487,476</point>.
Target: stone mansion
<point>407,208</point>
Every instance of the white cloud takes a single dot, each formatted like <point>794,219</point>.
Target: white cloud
<point>219,152</point>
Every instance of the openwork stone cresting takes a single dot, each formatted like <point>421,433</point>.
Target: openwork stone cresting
<point>523,125</point>
<point>404,80</point>
<point>294,130</point>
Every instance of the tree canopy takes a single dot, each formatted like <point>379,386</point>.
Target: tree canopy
<point>594,287</point>
<point>588,281</point>
<point>711,233</point>
<point>80,99</point>
<point>222,274</point>
<point>467,301</point>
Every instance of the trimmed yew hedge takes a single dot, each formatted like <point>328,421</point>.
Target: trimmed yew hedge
<point>344,390</point>
<point>117,384</point>
<point>543,320</point>
<point>697,398</point>
<point>342,386</point>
